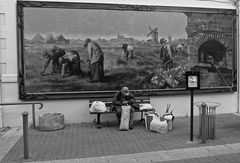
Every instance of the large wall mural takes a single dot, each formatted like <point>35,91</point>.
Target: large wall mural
<point>79,50</point>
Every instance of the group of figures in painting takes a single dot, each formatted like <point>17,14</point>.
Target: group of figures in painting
<point>167,75</point>
<point>68,63</point>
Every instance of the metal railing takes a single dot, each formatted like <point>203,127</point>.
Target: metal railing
<point>27,103</point>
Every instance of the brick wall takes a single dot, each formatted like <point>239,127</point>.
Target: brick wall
<point>203,27</point>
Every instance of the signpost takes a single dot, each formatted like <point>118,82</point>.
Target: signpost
<point>192,83</point>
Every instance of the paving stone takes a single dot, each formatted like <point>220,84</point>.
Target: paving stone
<point>121,159</point>
<point>66,161</point>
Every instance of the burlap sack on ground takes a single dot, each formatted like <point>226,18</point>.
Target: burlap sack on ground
<point>124,124</point>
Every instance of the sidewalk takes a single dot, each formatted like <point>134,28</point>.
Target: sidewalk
<point>220,153</point>
<point>85,143</point>
<point>8,139</point>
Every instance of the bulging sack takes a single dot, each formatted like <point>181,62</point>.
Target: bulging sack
<point>98,106</point>
<point>158,126</point>
<point>124,124</point>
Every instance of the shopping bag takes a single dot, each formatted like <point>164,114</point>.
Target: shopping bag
<point>169,119</point>
<point>158,126</point>
<point>124,124</point>
<point>148,120</point>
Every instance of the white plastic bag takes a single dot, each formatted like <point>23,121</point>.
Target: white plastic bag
<point>145,106</point>
<point>159,126</point>
<point>98,106</point>
<point>169,118</point>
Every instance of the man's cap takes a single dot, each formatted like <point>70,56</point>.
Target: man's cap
<point>162,40</point>
<point>125,91</point>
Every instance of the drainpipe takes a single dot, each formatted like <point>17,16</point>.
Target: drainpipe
<point>238,62</point>
<point>1,110</point>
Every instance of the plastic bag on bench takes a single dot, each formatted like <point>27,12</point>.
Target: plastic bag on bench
<point>145,106</point>
<point>98,106</point>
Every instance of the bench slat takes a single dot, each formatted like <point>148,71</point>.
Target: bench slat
<point>110,112</point>
<point>109,103</point>
<point>110,99</point>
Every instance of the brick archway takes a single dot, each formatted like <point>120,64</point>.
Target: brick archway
<point>212,48</point>
<point>201,38</point>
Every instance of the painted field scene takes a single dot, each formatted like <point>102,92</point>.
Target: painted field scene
<point>94,51</point>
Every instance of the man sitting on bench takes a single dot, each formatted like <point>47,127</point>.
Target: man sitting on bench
<point>124,97</point>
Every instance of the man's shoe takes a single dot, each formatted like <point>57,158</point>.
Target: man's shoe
<point>130,128</point>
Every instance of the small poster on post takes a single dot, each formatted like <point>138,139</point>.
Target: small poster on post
<point>192,80</point>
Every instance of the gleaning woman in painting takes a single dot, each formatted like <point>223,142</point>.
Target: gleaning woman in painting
<point>95,60</point>
<point>53,55</point>
<point>62,62</point>
<point>71,63</point>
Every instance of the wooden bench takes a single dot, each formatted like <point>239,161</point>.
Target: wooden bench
<point>108,103</point>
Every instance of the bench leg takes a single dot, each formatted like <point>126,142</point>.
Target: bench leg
<point>98,124</point>
<point>141,116</point>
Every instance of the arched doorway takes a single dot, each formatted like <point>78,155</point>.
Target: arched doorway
<point>211,48</point>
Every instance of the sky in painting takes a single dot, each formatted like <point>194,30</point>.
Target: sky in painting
<point>82,23</point>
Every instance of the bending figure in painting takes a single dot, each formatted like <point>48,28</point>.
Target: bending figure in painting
<point>96,59</point>
<point>70,62</point>
<point>124,97</point>
<point>53,55</point>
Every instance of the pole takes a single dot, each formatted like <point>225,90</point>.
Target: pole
<point>203,121</point>
<point>25,135</point>
<point>237,56</point>
<point>191,118</point>
<point>1,100</point>
<point>33,115</point>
